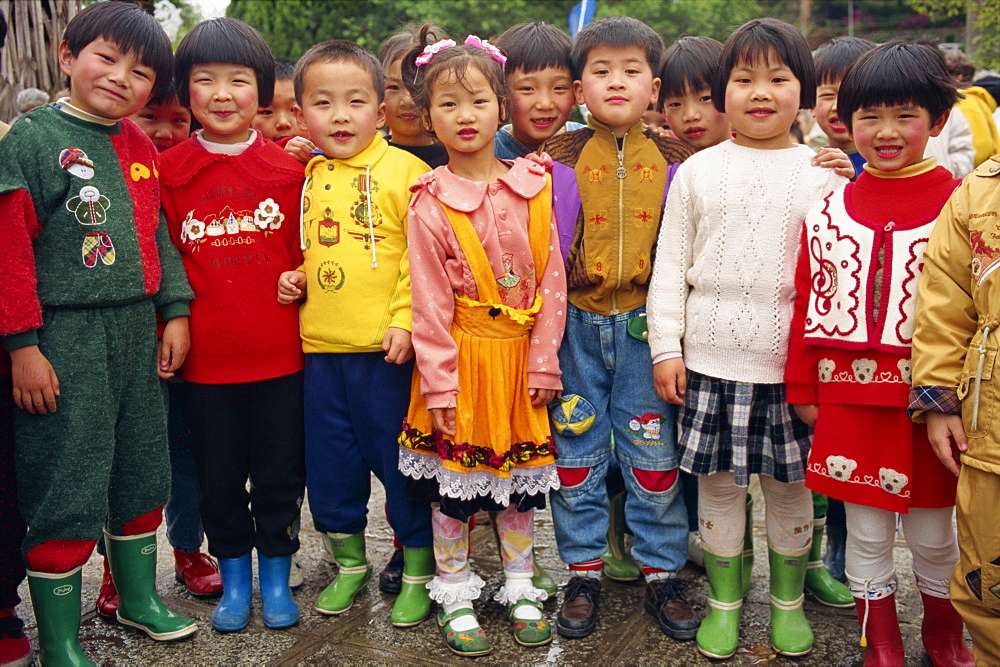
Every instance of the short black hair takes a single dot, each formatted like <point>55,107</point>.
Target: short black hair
<point>618,32</point>
<point>132,29</point>
<point>230,41</point>
<point>754,42</point>
<point>897,73</point>
<point>337,51</point>
<point>833,59</point>
<point>284,69</point>
<point>166,96</point>
<point>535,46</point>
<point>689,64</point>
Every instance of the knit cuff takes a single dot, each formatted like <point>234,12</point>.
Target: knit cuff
<point>169,311</point>
<point>19,340</point>
<point>801,393</point>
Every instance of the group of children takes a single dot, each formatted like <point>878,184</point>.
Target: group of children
<point>461,310</point>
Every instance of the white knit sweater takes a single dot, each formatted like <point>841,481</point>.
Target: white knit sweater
<point>724,276</point>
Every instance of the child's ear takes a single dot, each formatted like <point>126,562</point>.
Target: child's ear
<point>654,98</point>
<point>66,57</point>
<point>938,125</point>
<point>578,91</point>
<point>380,118</point>
<point>300,118</point>
<point>425,120</point>
<point>503,111</point>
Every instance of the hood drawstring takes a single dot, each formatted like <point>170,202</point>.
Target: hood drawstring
<point>864,622</point>
<point>371,224</point>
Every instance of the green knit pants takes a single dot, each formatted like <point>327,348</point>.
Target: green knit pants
<point>101,459</point>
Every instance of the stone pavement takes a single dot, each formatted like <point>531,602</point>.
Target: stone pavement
<point>626,635</point>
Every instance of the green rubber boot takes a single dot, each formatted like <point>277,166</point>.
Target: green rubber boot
<point>819,582</point>
<point>719,633</point>
<point>56,601</point>
<point>352,574</point>
<point>133,568</point>
<point>618,564</point>
<point>747,565</point>
<point>413,604</point>
<point>790,631</point>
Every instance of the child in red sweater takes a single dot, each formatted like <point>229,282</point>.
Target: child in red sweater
<point>231,199</point>
<point>848,371</point>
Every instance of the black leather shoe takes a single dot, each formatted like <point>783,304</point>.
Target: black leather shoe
<point>578,615</point>
<point>666,601</point>
<point>390,580</point>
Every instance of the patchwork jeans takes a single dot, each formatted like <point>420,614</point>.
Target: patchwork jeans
<point>610,410</point>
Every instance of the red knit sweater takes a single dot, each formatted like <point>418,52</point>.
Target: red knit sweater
<point>873,202</point>
<point>235,220</point>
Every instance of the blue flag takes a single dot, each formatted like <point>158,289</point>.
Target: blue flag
<point>581,15</point>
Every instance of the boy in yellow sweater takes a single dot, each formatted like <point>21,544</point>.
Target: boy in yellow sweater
<point>355,322</point>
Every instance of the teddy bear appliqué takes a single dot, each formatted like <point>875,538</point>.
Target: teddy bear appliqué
<point>892,481</point>
<point>840,467</point>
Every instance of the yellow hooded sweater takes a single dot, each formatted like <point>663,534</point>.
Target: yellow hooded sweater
<point>977,106</point>
<point>354,248</point>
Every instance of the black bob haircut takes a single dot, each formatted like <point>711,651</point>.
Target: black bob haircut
<point>532,47</point>
<point>690,64</point>
<point>618,32</point>
<point>833,59</point>
<point>897,73</point>
<point>230,41</point>
<point>131,29</point>
<point>755,42</point>
<point>339,51</point>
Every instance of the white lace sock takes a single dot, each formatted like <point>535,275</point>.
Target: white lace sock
<point>517,586</point>
<point>453,596</point>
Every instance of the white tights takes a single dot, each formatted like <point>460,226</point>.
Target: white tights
<point>722,515</point>
<point>871,532</point>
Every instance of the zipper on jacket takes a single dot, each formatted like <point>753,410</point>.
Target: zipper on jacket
<point>620,174</point>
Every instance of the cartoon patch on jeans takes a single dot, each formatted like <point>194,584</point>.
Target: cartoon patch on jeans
<point>571,415</point>
<point>647,426</point>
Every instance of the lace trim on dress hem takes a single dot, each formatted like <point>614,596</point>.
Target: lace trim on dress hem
<point>477,484</point>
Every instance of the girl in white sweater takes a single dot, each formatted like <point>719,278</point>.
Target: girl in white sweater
<point>719,310</point>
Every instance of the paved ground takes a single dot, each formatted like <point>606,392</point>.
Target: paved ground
<point>625,635</point>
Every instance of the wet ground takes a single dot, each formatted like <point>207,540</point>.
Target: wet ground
<point>626,635</point>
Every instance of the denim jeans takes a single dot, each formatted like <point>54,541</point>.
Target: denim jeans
<point>184,531</point>
<point>608,393</point>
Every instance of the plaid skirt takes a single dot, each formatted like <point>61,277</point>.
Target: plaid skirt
<point>742,428</point>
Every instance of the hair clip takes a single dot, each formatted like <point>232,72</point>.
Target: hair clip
<point>431,49</point>
<point>477,43</point>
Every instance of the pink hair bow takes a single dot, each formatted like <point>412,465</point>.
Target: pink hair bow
<point>431,49</point>
<point>477,43</point>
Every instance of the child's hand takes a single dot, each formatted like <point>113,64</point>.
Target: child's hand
<point>291,287</point>
<point>35,383</point>
<point>670,380</point>
<point>300,149</point>
<point>542,397</point>
<point>947,436</point>
<point>173,349</point>
<point>660,131</point>
<point>836,159</point>
<point>397,345</point>
<point>443,420</point>
<point>807,413</point>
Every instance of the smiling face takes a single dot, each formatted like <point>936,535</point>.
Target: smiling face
<point>278,119</point>
<point>617,84</point>
<point>223,98</point>
<point>825,114</point>
<point>340,108</point>
<point>401,114</point>
<point>893,137</point>
<point>465,113</point>
<point>542,101</point>
<point>762,100</point>
<point>104,81</point>
<point>165,124</point>
<point>694,119</point>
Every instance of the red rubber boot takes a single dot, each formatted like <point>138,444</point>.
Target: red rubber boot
<point>880,632</point>
<point>941,632</point>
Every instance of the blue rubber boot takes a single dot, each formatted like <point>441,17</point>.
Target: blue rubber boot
<point>280,610</point>
<point>233,611</point>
